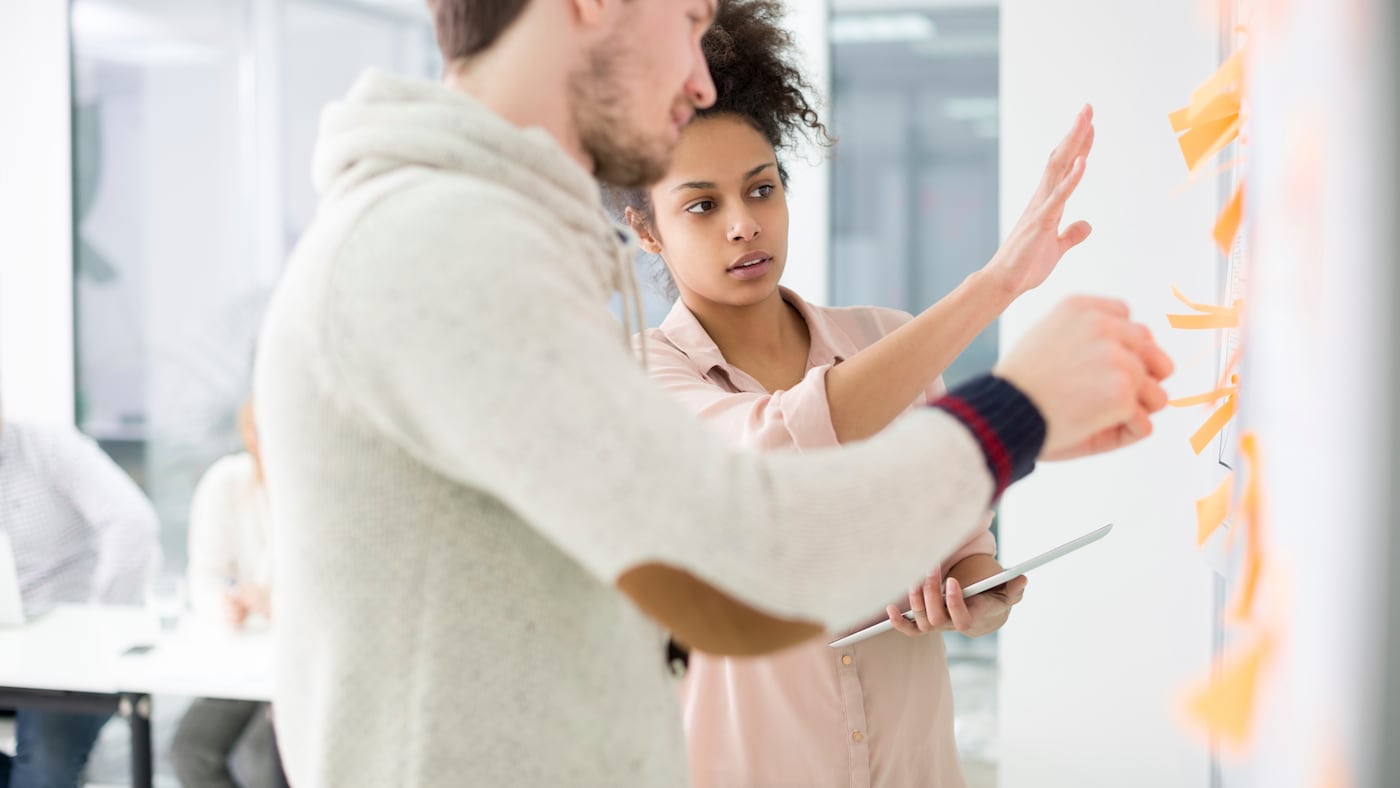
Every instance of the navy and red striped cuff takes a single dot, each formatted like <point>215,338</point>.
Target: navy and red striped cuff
<point>1004,421</point>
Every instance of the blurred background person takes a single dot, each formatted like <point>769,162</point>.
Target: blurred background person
<point>82,532</point>
<point>230,569</point>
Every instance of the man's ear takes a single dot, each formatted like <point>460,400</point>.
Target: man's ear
<point>645,238</point>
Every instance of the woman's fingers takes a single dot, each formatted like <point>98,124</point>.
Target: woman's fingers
<point>1016,589</point>
<point>1076,144</point>
<point>901,623</point>
<point>1053,209</point>
<point>933,602</point>
<point>957,606</point>
<point>918,605</point>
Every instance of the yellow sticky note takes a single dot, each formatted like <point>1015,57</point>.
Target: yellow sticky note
<point>1228,225</point>
<point>1225,706</point>
<point>1213,425</point>
<point>1212,509</point>
<point>1198,322</point>
<point>1229,75</point>
<point>1201,142</point>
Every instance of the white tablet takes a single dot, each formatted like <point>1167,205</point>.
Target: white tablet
<point>987,584</point>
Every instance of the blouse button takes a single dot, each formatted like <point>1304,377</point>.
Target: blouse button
<point>846,659</point>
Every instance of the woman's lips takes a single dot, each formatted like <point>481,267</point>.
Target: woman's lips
<point>751,266</point>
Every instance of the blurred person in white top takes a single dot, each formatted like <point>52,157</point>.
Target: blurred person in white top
<point>230,571</point>
<point>82,532</point>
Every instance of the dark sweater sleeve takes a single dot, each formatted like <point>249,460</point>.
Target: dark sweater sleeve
<point>1005,422</point>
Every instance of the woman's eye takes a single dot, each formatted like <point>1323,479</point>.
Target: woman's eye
<point>704,206</point>
<point>765,190</point>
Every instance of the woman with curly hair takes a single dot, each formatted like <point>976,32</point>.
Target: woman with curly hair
<point>771,371</point>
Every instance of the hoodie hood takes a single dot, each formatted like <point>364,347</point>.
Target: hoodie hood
<point>386,123</point>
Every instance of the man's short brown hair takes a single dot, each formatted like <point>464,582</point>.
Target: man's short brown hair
<point>467,27</point>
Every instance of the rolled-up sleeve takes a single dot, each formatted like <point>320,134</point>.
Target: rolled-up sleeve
<point>795,418</point>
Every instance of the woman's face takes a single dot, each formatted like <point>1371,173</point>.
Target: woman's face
<point>720,214</point>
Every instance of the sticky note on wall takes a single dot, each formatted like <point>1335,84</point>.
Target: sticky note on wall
<point>1252,566</point>
<point>1228,225</point>
<point>1225,705</point>
<point>1229,76</point>
<point>1212,510</point>
<point>1203,142</point>
<point>1229,319</point>
<point>1213,425</point>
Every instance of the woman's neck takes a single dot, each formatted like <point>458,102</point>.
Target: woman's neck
<point>761,338</point>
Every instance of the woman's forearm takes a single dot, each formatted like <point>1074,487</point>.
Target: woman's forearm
<point>868,390</point>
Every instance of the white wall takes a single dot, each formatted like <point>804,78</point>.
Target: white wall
<point>809,195</point>
<point>1094,659</point>
<point>36,296</point>
<point>1319,386</point>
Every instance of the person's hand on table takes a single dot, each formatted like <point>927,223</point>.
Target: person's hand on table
<point>245,599</point>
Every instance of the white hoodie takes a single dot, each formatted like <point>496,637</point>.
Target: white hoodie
<point>462,457</point>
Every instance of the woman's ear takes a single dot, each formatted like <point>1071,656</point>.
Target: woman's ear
<point>644,234</point>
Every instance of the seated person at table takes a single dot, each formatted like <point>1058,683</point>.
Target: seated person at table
<point>82,532</point>
<point>230,568</point>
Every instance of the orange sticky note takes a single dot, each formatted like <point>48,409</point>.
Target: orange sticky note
<point>1230,365</point>
<point>1201,142</point>
<point>1212,509</point>
<point>1250,570</point>
<point>1225,105</point>
<point>1180,119</point>
<point>1199,322</point>
<point>1225,705</point>
<point>1252,528</point>
<point>1213,425</point>
<point>1212,309</point>
<point>1229,75</point>
<point>1208,398</point>
<point>1228,225</point>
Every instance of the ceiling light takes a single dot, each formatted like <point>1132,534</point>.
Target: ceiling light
<point>881,28</point>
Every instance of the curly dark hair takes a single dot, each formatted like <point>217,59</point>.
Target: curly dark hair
<point>752,60</point>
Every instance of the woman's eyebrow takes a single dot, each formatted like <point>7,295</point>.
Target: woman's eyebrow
<point>712,185</point>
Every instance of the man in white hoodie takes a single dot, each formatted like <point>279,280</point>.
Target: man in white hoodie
<point>488,519</point>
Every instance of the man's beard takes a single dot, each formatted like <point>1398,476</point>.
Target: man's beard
<point>622,155</point>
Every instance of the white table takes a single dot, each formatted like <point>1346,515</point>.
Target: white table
<point>76,659</point>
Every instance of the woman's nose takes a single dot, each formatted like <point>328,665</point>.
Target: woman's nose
<point>744,228</point>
